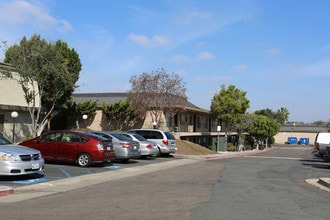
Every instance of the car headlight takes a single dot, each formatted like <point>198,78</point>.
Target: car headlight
<point>10,157</point>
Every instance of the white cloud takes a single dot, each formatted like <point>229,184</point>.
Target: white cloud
<point>205,56</point>
<point>155,41</point>
<point>22,12</point>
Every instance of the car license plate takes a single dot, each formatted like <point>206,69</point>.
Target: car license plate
<point>108,148</point>
<point>35,166</point>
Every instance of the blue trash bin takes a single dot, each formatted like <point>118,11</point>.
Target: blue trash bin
<point>292,140</point>
<point>304,141</point>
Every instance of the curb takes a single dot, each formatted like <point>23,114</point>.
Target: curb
<point>324,182</point>
<point>5,190</point>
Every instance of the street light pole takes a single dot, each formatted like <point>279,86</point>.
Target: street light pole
<point>14,115</point>
<point>218,130</point>
<point>84,117</point>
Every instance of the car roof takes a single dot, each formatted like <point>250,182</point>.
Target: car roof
<point>114,134</point>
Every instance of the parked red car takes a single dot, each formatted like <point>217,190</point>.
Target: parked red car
<point>80,147</point>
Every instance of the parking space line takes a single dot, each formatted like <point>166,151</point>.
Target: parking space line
<point>115,167</point>
<point>65,173</point>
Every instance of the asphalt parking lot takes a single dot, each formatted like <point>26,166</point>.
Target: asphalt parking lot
<point>56,171</point>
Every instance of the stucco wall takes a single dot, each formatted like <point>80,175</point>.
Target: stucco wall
<point>12,93</point>
<point>282,137</point>
<point>23,128</point>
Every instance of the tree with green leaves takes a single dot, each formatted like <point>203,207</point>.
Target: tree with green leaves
<point>54,67</point>
<point>281,115</point>
<point>121,113</point>
<point>87,108</point>
<point>157,92</point>
<point>263,128</point>
<point>229,106</point>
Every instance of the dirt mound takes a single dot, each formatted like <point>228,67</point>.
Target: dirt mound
<point>190,148</point>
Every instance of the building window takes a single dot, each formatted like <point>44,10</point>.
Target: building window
<point>206,124</point>
<point>191,120</point>
<point>169,120</point>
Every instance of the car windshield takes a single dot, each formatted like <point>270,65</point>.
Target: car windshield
<point>4,141</point>
<point>119,136</point>
<point>139,137</point>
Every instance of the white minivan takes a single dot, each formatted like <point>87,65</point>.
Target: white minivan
<point>322,141</point>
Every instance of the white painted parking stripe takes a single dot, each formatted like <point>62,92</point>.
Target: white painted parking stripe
<point>284,158</point>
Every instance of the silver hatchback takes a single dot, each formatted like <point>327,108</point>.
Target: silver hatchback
<point>18,160</point>
<point>125,148</point>
<point>148,148</point>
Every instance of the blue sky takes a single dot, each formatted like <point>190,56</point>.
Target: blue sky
<point>278,51</point>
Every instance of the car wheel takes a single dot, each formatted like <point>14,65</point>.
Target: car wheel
<point>84,160</point>
<point>158,153</point>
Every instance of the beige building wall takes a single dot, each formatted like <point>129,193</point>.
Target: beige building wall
<point>282,137</point>
<point>12,93</point>
<point>161,124</point>
<point>12,99</point>
<point>23,128</point>
<point>96,122</point>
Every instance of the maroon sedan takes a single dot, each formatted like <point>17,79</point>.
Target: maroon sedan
<point>80,147</point>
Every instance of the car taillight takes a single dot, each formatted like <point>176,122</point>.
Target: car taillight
<point>149,146</point>
<point>165,142</point>
<point>100,146</point>
<point>125,145</point>
<point>318,147</point>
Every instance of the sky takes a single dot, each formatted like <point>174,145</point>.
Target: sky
<point>277,51</point>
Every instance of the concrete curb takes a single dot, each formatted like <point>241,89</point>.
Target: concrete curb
<point>324,182</point>
<point>5,190</point>
<point>319,184</point>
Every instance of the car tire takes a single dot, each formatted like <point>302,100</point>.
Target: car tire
<point>124,160</point>
<point>158,153</point>
<point>84,160</point>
